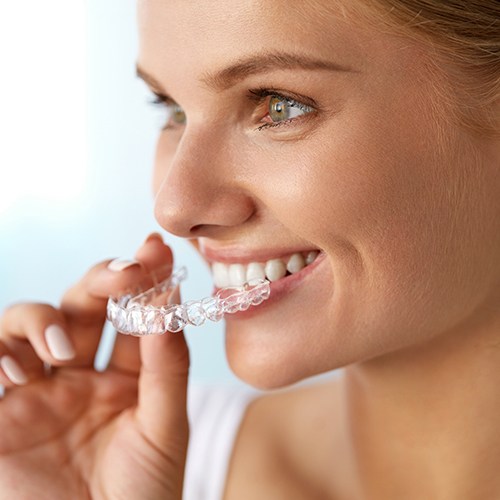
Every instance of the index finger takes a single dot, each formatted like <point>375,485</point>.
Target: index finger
<point>88,298</point>
<point>84,305</point>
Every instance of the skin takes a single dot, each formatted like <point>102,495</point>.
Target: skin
<point>404,205</point>
<point>406,215</point>
<point>74,432</point>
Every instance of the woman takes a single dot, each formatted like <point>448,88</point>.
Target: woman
<point>364,135</point>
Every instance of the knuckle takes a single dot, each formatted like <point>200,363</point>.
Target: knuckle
<point>19,316</point>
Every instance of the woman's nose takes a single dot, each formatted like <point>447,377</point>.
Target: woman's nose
<point>199,193</point>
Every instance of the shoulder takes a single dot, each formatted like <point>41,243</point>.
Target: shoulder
<point>276,438</point>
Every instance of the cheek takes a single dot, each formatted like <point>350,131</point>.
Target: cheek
<point>379,199</point>
<point>348,190</point>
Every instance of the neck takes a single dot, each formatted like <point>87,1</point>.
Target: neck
<point>424,422</point>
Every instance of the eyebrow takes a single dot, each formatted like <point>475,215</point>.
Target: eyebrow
<point>253,65</point>
<point>150,80</point>
<point>262,63</point>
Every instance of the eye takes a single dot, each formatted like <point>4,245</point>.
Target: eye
<point>280,109</point>
<point>172,114</point>
<point>177,115</point>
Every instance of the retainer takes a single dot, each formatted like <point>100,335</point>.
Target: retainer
<point>135,314</point>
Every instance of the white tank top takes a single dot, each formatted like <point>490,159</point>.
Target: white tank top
<point>215,415</point>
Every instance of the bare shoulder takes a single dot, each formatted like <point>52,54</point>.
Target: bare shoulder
<point>278,449</point>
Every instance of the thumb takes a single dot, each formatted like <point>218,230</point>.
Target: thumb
<point>162,401</point>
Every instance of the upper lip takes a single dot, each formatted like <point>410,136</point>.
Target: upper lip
<point>234,255</point>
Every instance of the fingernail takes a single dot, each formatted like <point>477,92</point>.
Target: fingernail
<point>58,343</point>
<point>121,264</point>
<point>154,236</point>
<point>13,371</point>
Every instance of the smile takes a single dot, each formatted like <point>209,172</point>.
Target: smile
<point>236,274</point>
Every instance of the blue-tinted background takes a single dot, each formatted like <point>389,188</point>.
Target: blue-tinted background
<point>76,151</point>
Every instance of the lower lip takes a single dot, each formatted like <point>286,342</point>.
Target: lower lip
<point>279,289</point>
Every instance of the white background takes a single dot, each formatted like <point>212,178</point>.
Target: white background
<point>76,148</point>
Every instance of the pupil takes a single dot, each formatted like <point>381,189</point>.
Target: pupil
<point>278,109</point>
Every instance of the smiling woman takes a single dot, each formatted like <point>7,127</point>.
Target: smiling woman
<point>349,153</point>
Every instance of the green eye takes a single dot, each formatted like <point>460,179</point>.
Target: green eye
<point>176,115</point>
<point>282,109</point>
<point>172,114</point>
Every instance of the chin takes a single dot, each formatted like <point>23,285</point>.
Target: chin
<point>267,366</point>
<point>264,376</point>
<point>259,361</point>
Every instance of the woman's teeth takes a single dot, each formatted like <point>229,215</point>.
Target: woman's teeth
<point>274,269</point>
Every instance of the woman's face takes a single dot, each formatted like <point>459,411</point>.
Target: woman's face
<point>301,129</point>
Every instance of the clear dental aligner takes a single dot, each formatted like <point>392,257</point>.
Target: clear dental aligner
<point>135,314</point>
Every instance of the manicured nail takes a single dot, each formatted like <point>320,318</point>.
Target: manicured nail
<point>121,264</point>
<point>58,343</point>
<point>154,236</point>
<point>13,371</point>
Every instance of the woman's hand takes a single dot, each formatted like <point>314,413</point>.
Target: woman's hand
<point>76,433</point>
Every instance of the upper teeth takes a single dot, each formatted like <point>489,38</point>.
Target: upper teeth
<point>274,269</point>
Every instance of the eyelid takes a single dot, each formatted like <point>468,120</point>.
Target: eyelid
<point>259,94</point>
<point>302,102</point>
<point>160,98</point>
<point>254,94</point>
<point>165,102</point>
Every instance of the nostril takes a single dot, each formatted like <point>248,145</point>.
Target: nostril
<point>188,209</point>
<point>199,228</point>
<point>208,230</point>
<point>221,224</point>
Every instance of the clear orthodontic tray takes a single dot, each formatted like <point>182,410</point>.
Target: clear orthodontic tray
<point>139,314</point>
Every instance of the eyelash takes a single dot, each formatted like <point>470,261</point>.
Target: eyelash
<point>158,100</point>
<point>258,95</point>
<point>261,93</point>
<point>161,101</point>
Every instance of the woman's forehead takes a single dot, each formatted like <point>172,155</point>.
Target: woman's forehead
<point>185,44</point>
<point>228,30</point>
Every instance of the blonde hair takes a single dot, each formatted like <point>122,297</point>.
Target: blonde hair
<point>465,35</point>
